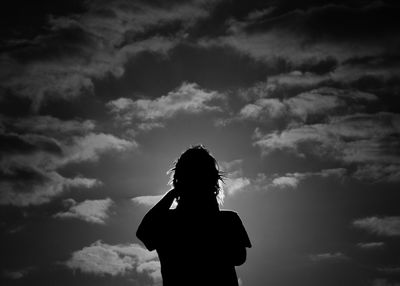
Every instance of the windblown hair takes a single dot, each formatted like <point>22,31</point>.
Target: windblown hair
<point>197,166</point>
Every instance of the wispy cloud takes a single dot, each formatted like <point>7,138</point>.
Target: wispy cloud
<point>150,201</point>
<point>371,245</point>
<point>390,269</point>
<point>329,257</point>
<point>385,226</point>
<point>146,200</point>
<point>378,172</point>
<point>384,282</point>
<point>93,211</point>
<point>236,181</point>
<point>18,273</point>
<point>300,107</point>
<point>49,125</point>
<point>360,138</point>
<point>292,180</point>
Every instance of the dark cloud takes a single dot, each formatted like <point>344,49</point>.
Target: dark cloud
<point>317,37</point>
<point>318,67</point>
<point>48,125</point>
<point>23,177</point>
<point>185,62</point>
<point>23,19</point>
<point>13,143</point>
<point>30,159</point>
<point>339,21</point>
<point>222,13</point>
<point>94,45</point>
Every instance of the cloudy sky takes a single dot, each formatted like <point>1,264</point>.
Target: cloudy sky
<point>296,100</point>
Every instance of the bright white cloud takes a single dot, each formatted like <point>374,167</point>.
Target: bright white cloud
<point>235,181</point>
<point>148,113</point>
<point>93,211</point>
<point>152,269</point>
<point>122,259</point>
<point>90,146</point>
<point>286,181</point>
<point>385,226</point>
<point>234,185</point>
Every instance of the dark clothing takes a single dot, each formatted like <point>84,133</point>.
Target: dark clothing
<point>197,249</point>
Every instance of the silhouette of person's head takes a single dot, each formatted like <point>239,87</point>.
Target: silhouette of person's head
<point>197,178</point>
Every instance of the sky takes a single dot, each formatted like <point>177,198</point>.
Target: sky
<point>297,100</point>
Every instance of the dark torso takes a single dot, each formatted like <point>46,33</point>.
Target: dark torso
<point>194,249</point>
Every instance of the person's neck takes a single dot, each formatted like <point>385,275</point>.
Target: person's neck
<point>208,209</point>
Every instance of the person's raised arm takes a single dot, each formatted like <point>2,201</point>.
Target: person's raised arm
<point>240,241</point>
<point>147,230</point>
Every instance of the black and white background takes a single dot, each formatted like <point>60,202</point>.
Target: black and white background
<point>297,100</point>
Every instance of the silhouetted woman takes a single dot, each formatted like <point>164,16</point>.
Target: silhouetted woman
<point>197,243</point>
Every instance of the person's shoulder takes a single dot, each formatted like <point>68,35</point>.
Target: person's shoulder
<point>229,214</point>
